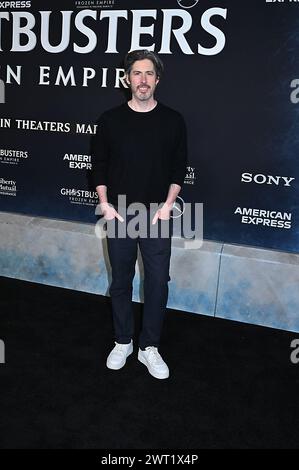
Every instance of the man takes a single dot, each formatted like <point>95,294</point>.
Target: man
<point>141,152</point>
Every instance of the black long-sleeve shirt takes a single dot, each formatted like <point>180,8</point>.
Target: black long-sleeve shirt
<point>139,154</point>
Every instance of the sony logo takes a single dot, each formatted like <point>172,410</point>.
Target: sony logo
<point>266,179</point>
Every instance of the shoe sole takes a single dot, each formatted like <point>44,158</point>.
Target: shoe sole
<point>157,376</point>
<point>120,367</point>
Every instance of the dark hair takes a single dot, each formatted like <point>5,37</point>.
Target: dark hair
<point>141,54</point>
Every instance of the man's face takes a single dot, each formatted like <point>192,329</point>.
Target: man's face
<point>143,79</point>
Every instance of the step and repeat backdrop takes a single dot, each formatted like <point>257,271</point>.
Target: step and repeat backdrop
<point>231,69</point>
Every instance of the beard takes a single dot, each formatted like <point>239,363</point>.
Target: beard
<point>143,96</point>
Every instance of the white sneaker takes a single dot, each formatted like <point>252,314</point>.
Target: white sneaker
<point>118,356</point>
<point>154,362</point>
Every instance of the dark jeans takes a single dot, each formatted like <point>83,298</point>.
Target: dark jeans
<point>155,254</point>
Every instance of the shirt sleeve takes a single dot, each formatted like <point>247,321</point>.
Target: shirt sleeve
<point>180,157</point>
<point>100,154</point>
